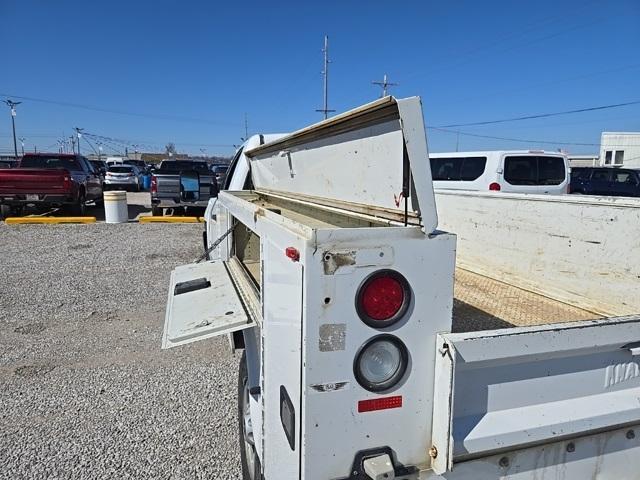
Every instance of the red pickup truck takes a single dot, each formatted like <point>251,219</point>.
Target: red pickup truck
<point>48,180</point>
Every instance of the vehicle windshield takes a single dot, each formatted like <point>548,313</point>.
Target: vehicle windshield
<point>121,169</point>
<point>219,169</point>
<point>179,165</point>
<point>45,161</point>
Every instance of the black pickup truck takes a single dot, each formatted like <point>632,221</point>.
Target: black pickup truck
<point>181,183</point>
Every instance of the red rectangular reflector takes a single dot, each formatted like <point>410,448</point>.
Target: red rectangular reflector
<point>379,404</point>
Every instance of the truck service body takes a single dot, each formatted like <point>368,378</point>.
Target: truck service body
<point>326,265</point>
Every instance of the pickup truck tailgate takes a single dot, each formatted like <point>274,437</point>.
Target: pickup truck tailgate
<point>33,180</point>
<point>509,389</point>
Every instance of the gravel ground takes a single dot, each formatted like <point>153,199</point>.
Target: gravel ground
<point>85,391</point>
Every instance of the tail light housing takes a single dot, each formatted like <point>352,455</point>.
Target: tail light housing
<point>383,298</point>
<point>495,187</point>
<point>381,363</point>
<point>154,184</point>
<point>66,183</point>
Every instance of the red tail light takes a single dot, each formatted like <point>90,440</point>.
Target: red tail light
<point>66,183</point>
<point>494,187</point>
<point>383,298</point>
<point>154,184</point>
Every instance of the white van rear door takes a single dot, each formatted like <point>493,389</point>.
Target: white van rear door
<point>506,390</point>
<point>203,303</point>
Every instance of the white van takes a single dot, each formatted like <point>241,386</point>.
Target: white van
<point>115,161</point>
<point>517,171</point>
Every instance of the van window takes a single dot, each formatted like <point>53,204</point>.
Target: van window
<point>534,170</point>
<point>580,173</point>
<point>457,168</point>
<point>601,175</point>
<point>624,177</point>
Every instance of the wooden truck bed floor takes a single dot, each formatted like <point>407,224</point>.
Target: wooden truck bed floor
<point>481,303</point>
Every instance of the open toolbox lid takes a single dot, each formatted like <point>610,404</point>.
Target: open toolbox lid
<point>203,303</point>
<point>373,158</point>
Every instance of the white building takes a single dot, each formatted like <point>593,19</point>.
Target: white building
<point>620,149</point>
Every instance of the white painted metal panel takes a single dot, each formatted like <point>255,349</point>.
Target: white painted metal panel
<point>334,428</point>
<point>364,156</point>
<point>611,455</point>
<point>206,312</point>
<point>580,250</point>
<point>282,353</point>
<point>514,388</point>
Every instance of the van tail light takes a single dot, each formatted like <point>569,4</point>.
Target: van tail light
<point>494,187</point>
<point>383,298</point>
<point>154,184</point>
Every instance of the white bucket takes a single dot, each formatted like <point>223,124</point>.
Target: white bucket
<point>115,207</point>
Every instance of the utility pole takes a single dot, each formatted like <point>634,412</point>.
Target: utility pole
<point>79,134</point>
<point>325,74</point>
<point>22,139</point>
<point>385,84</point>
<point>12,106</point>
<point>72,139</point>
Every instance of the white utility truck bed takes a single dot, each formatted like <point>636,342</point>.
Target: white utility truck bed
<point>328,269</point>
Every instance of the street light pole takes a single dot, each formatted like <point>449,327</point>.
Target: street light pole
<point>79,133</point>
<point>22,139</point>
<point>12,105</point>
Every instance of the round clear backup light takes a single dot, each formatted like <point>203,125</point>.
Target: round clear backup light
<point>381,363</point>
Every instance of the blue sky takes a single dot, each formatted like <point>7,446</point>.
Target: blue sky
<point>211,62</point>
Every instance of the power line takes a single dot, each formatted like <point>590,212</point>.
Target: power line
<point>525,140</point>
<point>541,115</point>
<point>94,108</point>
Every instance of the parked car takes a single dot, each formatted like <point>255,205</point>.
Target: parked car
<point>622,182</point>
<point>530,171</point>
<point>100,165</point>
<point>8,163</point>
<point>142,166</point>
<point>46,180</point>
<point>123,177</point>
<point>182,183</point>
<point>220,172</point>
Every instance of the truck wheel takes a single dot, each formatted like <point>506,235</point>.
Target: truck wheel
<point>251,469</point>
<point>5,211</point>
<point>78,209</point>
<point>156,211</point>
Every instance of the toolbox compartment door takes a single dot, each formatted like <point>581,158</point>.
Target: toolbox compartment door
<point>203,303</point>
<point>505,390</point>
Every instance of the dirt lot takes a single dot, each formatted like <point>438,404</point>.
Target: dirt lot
<point>85,391</point>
